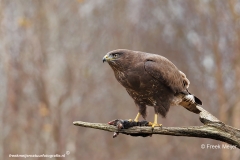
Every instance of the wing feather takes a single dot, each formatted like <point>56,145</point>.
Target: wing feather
<point>164,71</point>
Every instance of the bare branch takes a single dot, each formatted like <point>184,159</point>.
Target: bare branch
<point>212,129</point>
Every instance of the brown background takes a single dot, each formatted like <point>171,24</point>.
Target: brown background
<point>51,73</point>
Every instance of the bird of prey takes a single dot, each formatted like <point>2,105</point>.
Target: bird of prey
<point>151,80</point>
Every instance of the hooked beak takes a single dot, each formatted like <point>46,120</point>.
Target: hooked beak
<point>106,58</point>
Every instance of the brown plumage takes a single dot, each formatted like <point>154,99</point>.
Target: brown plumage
<point>151,80</point>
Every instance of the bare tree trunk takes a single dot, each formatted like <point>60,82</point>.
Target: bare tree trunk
<point>235,110</point>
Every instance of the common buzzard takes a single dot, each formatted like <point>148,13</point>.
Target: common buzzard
<point>151,80</point>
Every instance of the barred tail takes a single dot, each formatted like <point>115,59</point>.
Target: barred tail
<point>190,102</point>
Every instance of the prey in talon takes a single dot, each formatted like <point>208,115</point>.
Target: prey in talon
<point>151,80</point>
<point>125,124</point>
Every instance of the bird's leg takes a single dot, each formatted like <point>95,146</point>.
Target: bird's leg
<point>155,124</point>
<point>137,118</point>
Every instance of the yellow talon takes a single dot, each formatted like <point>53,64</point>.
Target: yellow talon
<point>154,124</point>
<point>136,119</point>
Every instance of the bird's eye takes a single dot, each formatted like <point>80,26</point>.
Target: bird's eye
<point>115,55</point>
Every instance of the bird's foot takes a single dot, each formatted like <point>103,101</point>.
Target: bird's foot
<point>154,124</point>
<point>136,119</point>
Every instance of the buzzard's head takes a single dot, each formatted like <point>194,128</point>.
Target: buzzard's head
<point>118,59</point>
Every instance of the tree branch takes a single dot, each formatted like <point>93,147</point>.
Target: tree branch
<point>212,129</point>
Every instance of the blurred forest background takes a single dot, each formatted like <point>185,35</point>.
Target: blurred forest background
<point>51,73</point>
